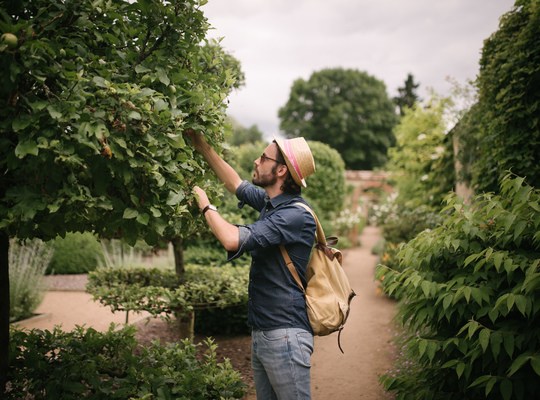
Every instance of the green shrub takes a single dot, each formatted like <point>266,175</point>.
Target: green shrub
<point>27,264</point>
<point>470,306</point>
<point>160,291</point>
<point>77,253</point>
<point>326,188</point>
<point>508,135</point>
<point>86,364</point>
<point>211,253</point>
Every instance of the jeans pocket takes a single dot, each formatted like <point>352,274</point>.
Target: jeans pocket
<point>274,334</point>
<point>305,347</point>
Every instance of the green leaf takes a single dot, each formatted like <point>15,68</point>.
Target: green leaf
<point>134,115</point>
<point>508,342</point>
<point>521,303</point>
<point>162,76</point>
<point>473,326</point>
<point>447,302</point>
<point>130,213</point>
<point>506,389</point>
<point>477,295</point>
<point>520,227</point>
<point>160,105</point>
<point>496,340</point>
<point>55,114</point>
<point>422,346</point>
<point>471,258</point>
<point>518,363</point>
<point>497,259</point>
<point>534,205</point>
<point>141,69</point>
<point>101,82</point>
<point>143,218</point>
<point>535,364</point>
<point>21,123</point>
<point>426,286</point>
<point>175,198</point>
<point>483,338</point>
<point>480,380</point>
<point>459,369</point>
<point>431,350</point>
<point>26,148</point>
<point>489,386</point>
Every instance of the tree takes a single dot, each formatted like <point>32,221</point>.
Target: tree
<point>240,134</point>
<point>347,109</point>
<point>422,159</point>
<point>508,103</point>
<point>407,97</point>
<point>93,102</point>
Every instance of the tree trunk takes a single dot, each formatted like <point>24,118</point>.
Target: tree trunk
<point>462,189</point>
<point>185,323</point>
<point>178,251</point>
<point>4,310</point>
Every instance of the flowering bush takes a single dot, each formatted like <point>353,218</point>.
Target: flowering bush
<point>346,221</point>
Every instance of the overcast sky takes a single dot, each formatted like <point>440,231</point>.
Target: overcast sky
<point>279,41</point>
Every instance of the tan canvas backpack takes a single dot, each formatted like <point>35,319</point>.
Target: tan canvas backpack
<point>328,292</point>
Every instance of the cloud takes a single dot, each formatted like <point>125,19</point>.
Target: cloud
<point>280,41</point>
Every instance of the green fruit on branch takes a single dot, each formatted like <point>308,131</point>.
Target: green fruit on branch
<point>9,39</point>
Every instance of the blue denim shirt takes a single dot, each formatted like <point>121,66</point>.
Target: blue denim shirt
<point>275,300</point>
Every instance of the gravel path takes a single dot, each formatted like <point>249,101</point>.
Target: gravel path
<point>66,282</point>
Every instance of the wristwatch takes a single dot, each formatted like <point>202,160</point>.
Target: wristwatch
<point>209,207</point>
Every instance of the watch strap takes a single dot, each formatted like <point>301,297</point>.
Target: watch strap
<point>209,207</point>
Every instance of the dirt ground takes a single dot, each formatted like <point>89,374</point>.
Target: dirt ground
<point>366,339</point>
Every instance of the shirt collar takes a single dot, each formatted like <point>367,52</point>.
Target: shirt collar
<point>280,199</point>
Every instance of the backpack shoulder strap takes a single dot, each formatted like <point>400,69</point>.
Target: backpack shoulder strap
<point>291,267</point>
<point>319,234</point>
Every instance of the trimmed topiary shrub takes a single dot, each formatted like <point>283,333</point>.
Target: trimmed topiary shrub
<point>76,253</point>
<point>326,187</point>
<point>470,305</point>
<point>86,364</point>
<point>160,291</point>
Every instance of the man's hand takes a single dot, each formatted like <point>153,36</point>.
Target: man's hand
<point>202,198</point>
<point>196,138</point>
<point>222,169</point>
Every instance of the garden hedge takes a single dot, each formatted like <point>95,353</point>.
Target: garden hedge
<point>470,305</point>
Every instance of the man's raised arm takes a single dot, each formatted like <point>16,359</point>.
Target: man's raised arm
<point>222,169</point>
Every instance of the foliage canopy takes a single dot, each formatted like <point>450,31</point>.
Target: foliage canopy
<point>94,100</point>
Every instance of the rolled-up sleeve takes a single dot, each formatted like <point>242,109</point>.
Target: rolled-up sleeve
<point>251,195</point>
<point>244,234</point>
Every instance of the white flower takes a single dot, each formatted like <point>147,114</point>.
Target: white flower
<point>422,136</point>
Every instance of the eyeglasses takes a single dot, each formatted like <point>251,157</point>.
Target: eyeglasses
<point>264,157</point>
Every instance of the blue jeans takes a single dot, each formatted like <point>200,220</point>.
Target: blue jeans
<point>281,361</point>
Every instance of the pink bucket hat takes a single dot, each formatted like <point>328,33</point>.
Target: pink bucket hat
<point>298,158</point>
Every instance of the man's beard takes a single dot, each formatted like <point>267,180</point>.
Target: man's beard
<point>265,180</point>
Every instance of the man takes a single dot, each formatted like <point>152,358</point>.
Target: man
<point>282,339</point>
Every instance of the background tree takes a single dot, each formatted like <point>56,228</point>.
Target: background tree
<point>93,102</point>
<point>407,96</point>
<point>421,161</point>
<point>346,109</point>
<point>509,101</point>
<point>239,134</point>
